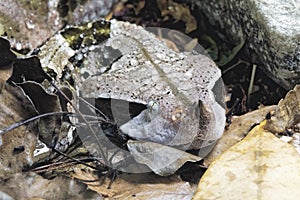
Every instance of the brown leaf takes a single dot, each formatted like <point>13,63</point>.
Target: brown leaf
<point>17,69</point>
<point>17,146</point>
<point>287,113</point>
<point>33,186</point>
<point>50,127</point>
<point>162,159</point>
<point>260,167</point>
<point>178,12</point>
<point>138,186</point>
<point>238,129</point>
<point>29,69</point>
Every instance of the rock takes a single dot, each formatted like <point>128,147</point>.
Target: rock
<point>30,23</point>
<point>271,30</point>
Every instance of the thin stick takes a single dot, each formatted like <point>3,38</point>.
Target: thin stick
<point>85,121</point>
<point>21,123</point>
<point>18,124</point>
<point>250,89</point>
<point>234,65</point>
<point>56,165</point>
<point>106,119</point>
<point>73,159</point>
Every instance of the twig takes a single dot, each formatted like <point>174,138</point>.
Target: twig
<point>234,65</point>
<point>71,158</point>
<point>18,124</point>
<point>250,89</point>
<point>85,121</point>
<point>106,119</point>
<point>59,165</point>
<point>21,123</point>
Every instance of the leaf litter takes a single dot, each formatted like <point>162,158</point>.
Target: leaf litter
<point>282,128</point>
<point>261,166</point>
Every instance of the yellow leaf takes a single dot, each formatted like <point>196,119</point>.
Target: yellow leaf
<point>259,167</point>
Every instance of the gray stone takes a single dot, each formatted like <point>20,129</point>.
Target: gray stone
<point>271,29</point>
<point>29,23</point>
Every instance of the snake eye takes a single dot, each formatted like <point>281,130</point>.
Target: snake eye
<point>153,107</point>
<point>177,114</point>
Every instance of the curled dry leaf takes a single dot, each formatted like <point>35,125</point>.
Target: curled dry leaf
<point>238,129</point>
<point>178,12</point>
<point>49,127</point>
<point>28,69</point>
<point>17,145</point>
<point>287,113</point>
<point>161,159</point>
<point>146,186</point>
<point>13,68</point>
<point>52,130</point>
<point>259,167</point>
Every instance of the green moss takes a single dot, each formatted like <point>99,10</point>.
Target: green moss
<point>87,34</point>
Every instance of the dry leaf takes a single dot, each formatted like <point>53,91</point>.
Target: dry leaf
<point>52,130</point>
<point>139,186</point>
<point>49,127</point>
<point>33,186</point>
<point>28,69</point>
<point>161,159</point>
<point>17,145</point>
<point>13,68</point>
<point>287,113</point>
<point>260,167</point>
<point>285,120</point>
<point>238,129</point>
<point>178,12</point>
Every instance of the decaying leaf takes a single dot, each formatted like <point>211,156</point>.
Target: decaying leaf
<point>161,159</point>
<point>15,69</point>
<point>179,12</point>
<point>287,113</point>
<point>260,167</point>
<point>136,7</point>
<point>17,145</point>
<point>28,69</point>
<point>50,127</point>
<point>238,129</point>
<point>6,62</point>
<point>33,186</point>
<point>146,186</point>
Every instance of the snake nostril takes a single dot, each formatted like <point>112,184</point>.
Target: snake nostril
<point>177,114</point>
